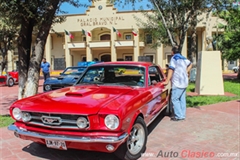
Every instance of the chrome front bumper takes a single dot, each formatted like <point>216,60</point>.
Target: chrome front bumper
<point>99,139</point>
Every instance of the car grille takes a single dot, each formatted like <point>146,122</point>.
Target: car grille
<point>2,79</point>
<point>58,121</point>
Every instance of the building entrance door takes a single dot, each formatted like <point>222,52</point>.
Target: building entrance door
<point>106,58</point>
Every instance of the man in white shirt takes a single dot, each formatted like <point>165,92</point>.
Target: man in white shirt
<point>179,68</point>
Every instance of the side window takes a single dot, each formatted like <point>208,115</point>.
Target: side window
<point>155,74</point>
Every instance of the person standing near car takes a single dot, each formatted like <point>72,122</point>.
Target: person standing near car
<point>179,68</point>
<point>45,66</point>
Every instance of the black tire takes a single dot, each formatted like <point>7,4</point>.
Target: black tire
<point>130,150</point>
<point>169,109</point>
<point>235,70</point>
<point>10,82</point>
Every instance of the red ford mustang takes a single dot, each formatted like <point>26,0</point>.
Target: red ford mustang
<point>103,111</point>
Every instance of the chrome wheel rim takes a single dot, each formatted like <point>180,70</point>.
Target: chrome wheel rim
<point>136,139</point>
<point>10,82</point>
<point>47,87</point>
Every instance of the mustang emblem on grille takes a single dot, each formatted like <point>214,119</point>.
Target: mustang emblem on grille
<point>51,120</point>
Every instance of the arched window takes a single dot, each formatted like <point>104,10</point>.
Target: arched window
<point>106,58</point>
<point>105,37</point>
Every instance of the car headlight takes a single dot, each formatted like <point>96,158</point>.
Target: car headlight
<point>82,122</point>
<point>47,87</point>
<point>26,117</point>
<point>17,113</point>
<point>111,121</point>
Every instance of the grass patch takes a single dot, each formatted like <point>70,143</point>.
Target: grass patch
<point>5,121</point>
<point>231,86</point>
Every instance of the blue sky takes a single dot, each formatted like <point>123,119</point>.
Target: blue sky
<point>73,10</point>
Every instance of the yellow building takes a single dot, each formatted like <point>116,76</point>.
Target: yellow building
<point>102,21</point>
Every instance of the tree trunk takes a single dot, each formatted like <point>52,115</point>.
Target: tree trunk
<point>24,51</point>
<point>4,62</point>
<point>4,51</point>
<point>31,87</point>
<point>192,54</point>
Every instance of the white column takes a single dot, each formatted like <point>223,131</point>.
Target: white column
<point>204,40</point>
<point>68,57</point>
<point>9,61</point>
<point>136,48</point>
<point>89,56</point>
<point>184,47</point>
<point>159,56</point>
<point>48,50</point>
<point>113,48</point>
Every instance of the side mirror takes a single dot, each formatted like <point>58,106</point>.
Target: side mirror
<point>61,74</point>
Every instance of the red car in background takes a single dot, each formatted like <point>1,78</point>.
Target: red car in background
<point>103,111</point>
<point>9,79</point>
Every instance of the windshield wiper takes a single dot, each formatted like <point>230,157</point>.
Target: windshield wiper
<point>118,84</point>
<point>87,83</point>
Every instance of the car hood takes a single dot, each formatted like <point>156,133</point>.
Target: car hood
<point>73,100</point>
<point>62,79</point>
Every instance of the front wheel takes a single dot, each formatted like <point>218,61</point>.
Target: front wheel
<point>235,70</point>
<point>136,142</point>
<point>10,82</point>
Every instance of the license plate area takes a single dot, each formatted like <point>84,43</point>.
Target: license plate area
<point>56,144</point>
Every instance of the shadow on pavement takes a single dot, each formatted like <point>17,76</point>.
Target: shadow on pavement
<point>42,151</point>
<point>156,122</point>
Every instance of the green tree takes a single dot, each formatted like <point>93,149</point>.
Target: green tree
<point>8,34</point>
<point>170,21</point>
<point>228,41</point>
<point>38,15</point>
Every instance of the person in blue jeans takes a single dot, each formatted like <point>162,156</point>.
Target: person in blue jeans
<point>45,66</point>
<point>179,68</point>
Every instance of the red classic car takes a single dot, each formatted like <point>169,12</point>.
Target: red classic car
<point>103,111</point>
<point>9,79</point>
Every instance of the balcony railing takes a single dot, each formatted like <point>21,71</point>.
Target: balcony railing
<point>77,45</point>
<point>99,44</point>
<point>124,43</point>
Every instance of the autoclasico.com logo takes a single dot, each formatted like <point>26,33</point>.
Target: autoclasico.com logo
<point>190,154</point>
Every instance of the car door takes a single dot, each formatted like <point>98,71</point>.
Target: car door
<point>157,90</point>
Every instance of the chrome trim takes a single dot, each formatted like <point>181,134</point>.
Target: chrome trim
<point>63,123</point>
<point>156,115</point>
<point>56,127</point>
<point>89,139</point>
<point>51,120</point>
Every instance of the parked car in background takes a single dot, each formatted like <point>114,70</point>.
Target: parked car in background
<point>235,69</point>
<point>103,111</point>
<point>67,78</point>
<point>9,79</point>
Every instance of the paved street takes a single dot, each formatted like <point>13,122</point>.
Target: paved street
<point>212,130</point>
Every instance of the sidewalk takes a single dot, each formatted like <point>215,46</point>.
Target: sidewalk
<point>8,95</point>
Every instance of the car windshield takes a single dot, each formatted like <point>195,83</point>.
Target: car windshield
<point>73,71</point>
<point>123,75</point>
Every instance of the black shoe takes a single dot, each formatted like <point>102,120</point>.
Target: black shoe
<point>175,119</point>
